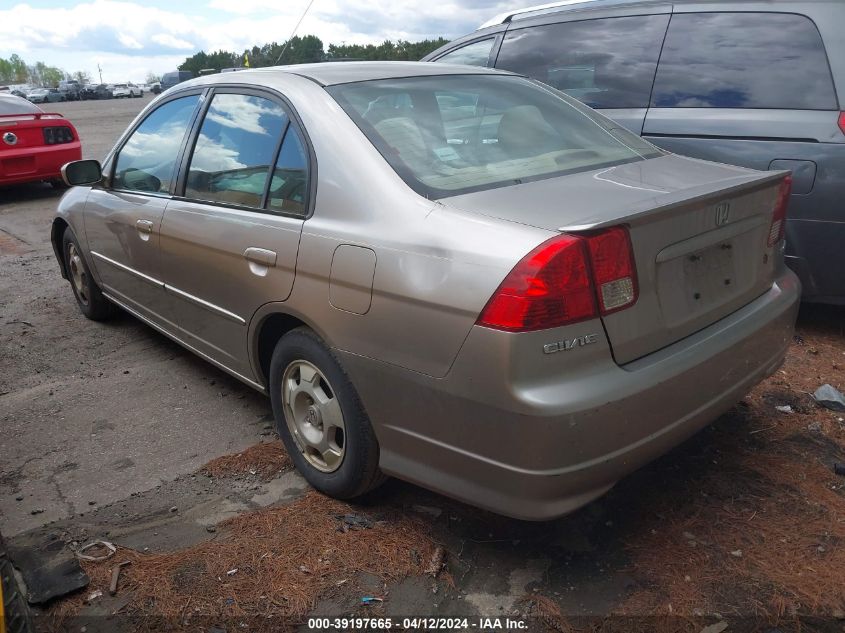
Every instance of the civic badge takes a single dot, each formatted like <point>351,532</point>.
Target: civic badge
<point>723,213</point>
<point>10,139</point>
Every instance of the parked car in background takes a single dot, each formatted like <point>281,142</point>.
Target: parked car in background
<point>739,82</point>
<point>99,91</point>
<point>573,300</point>
<point>71,89</point>
<point>127,90</point>
<point>45,95</point>
<point>155,88</point>
<point>168,80</point>
<point>34,144</point>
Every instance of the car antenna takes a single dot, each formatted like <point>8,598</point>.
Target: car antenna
<point>284,48</point>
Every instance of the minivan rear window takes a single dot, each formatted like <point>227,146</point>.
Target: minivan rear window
<point>606,62</point>
<point>744,60</point>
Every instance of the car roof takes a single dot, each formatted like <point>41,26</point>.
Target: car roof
<point>333,73</point>
<point>572,5</point>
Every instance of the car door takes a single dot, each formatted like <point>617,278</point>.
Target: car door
<point>123,217</point>
<point>606,60</point>
<point>230,240</point>
<point>755,89</point>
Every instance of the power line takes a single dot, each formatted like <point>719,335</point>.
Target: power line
<point>285,47</point>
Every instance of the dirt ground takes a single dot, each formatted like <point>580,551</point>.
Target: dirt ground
<point>113,432</point>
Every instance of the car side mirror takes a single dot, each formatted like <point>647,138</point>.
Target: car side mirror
<point>82,172</point>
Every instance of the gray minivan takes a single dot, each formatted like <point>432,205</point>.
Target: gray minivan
<point>749,82</point>
<point>172,78</point>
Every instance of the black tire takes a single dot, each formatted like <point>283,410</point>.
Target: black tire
<point>358,472</point>
<point>58,184</point>
<point>90,300</point>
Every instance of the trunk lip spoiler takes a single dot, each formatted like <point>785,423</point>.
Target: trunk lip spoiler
<point>34,115</point>
<point>682,198</point>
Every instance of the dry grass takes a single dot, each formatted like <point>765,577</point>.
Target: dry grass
<point>263,460</point>
<point>286,559</point>
<point>547,612</point>
<point>767,520</point>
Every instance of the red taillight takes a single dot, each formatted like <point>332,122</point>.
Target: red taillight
<point>778,228</point>
<point>614,271</point>
<point>557,283</point>
<point>842,122</point>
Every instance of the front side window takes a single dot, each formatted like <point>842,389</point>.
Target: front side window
<point>235,149</point>
<point>475,54</point>
<point>606,63</point>
<point>743,60</point>
<point>147,160</point>
<point>447,135</point>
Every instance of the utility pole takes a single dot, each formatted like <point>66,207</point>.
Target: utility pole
<point>101,73</point>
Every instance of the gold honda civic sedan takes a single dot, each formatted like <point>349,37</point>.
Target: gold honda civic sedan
<point>453,275</point>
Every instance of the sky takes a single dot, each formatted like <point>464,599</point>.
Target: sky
<point>130,39</point>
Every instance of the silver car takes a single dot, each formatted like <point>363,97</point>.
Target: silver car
<point>454,275</point>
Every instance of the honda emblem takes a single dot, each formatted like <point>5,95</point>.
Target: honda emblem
<point>723,213</point>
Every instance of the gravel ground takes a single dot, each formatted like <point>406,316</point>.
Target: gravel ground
<point>106,427</point>
<point>91,413</point>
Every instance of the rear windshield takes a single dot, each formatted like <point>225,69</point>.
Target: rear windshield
<point>10,104</point>
<point>449,135</point>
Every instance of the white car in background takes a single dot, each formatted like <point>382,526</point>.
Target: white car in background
<point>127,90</point>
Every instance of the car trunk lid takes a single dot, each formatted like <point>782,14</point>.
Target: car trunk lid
<point>699,233</point>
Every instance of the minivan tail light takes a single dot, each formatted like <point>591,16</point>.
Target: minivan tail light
<point>614,271</point>
<point>777,230</point>
<point>842,122</point>
<point>564,280</point>
<point>549,287</point>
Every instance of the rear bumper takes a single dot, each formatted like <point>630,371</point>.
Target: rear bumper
<point>537,436</point>
<point>36,163</point>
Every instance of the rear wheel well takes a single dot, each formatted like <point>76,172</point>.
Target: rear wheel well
<point>57,233</point>
<point>271,330</point>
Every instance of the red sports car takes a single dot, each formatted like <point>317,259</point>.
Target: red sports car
<point>34,144</point>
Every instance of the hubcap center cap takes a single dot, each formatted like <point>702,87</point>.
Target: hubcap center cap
<point>313,417</point>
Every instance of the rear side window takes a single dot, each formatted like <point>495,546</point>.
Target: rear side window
<point>289,184</point>
<point>606,63</point>
<point>475,54</point>
<point>744,60</point>
<point>147,160</point>
<point>235,149</point>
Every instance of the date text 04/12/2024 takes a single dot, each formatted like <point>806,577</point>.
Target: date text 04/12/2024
<point>418,623</point>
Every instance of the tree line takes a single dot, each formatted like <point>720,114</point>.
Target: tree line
<point>308,49</point>
<point>15,70</point>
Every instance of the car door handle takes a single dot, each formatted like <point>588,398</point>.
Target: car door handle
<point>260,256</point>
<point>144,226</point>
